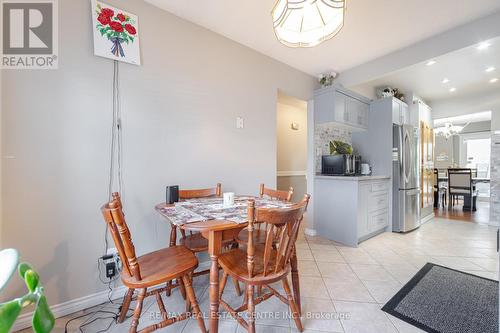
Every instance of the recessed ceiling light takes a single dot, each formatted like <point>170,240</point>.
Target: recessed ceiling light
<point>493,80</point>
<point>453,89</point>
<point>490,69</point>
<point>431,62</point>
<point>483,45</point>
<point>445,80</point>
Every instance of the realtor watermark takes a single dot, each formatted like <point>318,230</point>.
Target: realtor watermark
<point>277,315</point>
<point>29,34</point>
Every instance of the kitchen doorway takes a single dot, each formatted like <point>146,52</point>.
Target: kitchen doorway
<point>291,157</point>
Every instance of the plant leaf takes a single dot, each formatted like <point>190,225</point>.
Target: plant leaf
<point>8,314</point>
<point>23,268</point>
<point>43,319</point>
<point>32,279</point>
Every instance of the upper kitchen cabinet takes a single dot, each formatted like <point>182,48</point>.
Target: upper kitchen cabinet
<point>342,107</point>
<point>400,112</point>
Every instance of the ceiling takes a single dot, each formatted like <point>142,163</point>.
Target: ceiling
<point>464,119</point>
<point>372,28</point>
<point>465,69</point>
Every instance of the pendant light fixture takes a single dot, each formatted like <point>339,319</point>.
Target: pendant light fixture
<point>307,23</point>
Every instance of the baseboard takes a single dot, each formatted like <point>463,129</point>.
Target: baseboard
<point>290,173</point>
<point>310,232</point>
<point>69,307</point>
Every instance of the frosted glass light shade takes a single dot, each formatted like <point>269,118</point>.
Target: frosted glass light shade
<point>307,23</point>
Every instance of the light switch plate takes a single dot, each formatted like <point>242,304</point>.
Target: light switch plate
<point>239,123</point>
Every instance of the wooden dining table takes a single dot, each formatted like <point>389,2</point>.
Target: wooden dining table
<point>216,231</point>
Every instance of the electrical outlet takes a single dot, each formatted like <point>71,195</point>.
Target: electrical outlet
<point>240,124</point>
<point>111,262</point>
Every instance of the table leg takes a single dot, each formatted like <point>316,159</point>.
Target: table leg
<point>214,250</point>
<point>295,280</point>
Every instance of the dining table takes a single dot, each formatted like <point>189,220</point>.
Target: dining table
<point>220,223</point>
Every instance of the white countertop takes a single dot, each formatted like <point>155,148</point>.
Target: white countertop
<point>352,178</point>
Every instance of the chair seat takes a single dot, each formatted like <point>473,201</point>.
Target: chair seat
<point>195,242</point>
<point>162,266</point>
<point>234,263</point>
<point>259,236</point>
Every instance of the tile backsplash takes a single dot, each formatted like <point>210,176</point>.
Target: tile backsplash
<point>323,134</point>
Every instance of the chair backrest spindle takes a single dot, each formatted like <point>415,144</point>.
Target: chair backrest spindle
<point>113,215</point>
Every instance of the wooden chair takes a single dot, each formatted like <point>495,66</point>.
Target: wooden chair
<point>150,270</point>
<point>260,232</point>
<point>263,264</point>
<point>276,194</point>
<point>195,241</point>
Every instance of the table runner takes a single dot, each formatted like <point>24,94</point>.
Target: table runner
<point>205,209</point>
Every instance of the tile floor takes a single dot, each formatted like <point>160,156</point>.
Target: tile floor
<point>344,288</point>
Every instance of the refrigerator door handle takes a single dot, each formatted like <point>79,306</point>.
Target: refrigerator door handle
<point>413,192</point>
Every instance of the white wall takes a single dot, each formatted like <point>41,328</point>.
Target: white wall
<point>292,144</point>
<point>179,124</point>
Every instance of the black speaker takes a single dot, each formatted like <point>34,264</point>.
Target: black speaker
<point>172,194</point>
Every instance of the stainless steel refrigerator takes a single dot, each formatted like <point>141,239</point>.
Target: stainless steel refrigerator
<point>406,180</point>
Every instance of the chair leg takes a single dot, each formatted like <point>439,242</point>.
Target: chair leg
<point>236,286</point>
<point>169,288</point>
<point>125,304</point>
<point>222,284</point>
<point>182,288</point>
<point>293,305</point>
<point>251,309</point>
<point>194,303</point>
<point>137,311</point>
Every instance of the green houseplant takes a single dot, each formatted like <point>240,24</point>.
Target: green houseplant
<point>340,148</point>
<point>43,319</point>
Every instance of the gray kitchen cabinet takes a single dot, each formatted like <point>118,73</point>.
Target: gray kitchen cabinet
<point>350,210</point>
<point>400,111</point>
<point>342,107</point>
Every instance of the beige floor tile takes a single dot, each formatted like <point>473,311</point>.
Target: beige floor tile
<point>304,254</point>
<point>313,287</point>
<point>382,291</point>
<point>318,315</point>
<point>364,318</point>
<point>348,290</point>
<point>457,263</point>
<point>308,268</point>
<point>371,272</point>
<point>337,271</point>
<point>327,256</point>
<point>485,263</point>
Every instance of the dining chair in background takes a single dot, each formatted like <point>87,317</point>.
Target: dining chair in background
<point>260,234</point>
<point>150,271</point>
<point>195,241</point>
<point>263,264</point>
<point>460,185</point>
<point>440,191</point>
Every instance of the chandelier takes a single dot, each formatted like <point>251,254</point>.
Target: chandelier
<point>448,130</point>
<point>307,23</point>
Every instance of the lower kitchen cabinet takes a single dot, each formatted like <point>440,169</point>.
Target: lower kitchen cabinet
<point>350,210</point>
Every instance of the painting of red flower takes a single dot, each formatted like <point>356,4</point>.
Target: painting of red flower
<point>115,33</point>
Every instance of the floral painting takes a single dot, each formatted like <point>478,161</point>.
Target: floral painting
<point>116,33</point>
